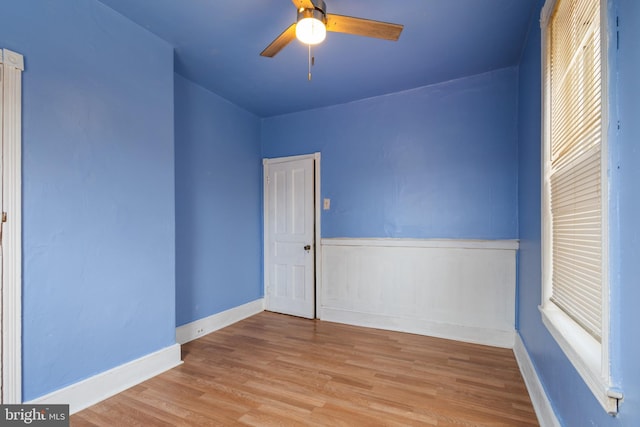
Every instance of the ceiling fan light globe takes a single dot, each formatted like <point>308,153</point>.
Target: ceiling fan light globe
<point>311,31</point>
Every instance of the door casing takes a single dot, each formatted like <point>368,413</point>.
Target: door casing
<point>11,68</point>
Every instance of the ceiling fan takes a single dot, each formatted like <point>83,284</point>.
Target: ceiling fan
<point>313,22</point>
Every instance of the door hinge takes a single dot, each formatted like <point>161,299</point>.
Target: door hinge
<point>4,219</point>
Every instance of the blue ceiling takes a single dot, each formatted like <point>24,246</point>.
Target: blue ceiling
<point>218,42</point>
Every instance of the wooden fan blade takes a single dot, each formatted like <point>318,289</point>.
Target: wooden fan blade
<point>304,4</point>
<point>363,27</point>
<point>280,42</point>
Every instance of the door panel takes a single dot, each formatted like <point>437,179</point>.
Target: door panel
<point>289,230</point>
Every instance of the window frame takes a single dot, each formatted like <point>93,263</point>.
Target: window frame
<point>587,355</point>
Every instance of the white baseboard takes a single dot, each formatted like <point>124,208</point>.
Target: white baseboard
<point>495,338</point>
<point>198,328</point>
<point>106,384</point>
<point>541,404</point>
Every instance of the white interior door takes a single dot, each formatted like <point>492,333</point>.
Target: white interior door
<point>289,236</point>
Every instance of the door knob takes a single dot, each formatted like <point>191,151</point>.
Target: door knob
<point>307,248</point>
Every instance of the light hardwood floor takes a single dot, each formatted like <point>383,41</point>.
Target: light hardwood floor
<point>273,369</point>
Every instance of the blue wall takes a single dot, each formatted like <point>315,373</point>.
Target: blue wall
<point>434,162</point>
<point>98,190</point>
<point>573,402</point>
<point>218,204</point>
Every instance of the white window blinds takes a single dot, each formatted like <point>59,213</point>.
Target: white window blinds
<point>573,77</point>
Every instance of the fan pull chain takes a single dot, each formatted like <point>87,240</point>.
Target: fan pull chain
<point>309,63</point>
<point>312,62</point>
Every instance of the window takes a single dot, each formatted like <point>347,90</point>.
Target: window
<point>575,306</point>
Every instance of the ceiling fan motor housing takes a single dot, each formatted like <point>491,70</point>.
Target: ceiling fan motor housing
<point>319,11</point>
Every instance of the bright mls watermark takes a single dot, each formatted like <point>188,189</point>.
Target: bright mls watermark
<point>34,415</point>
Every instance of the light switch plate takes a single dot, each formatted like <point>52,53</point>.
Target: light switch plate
<point>327,204</point>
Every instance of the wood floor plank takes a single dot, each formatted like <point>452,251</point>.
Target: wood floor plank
<point>272,369</point>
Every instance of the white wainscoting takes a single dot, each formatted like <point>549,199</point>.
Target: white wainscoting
<point>455,289</point>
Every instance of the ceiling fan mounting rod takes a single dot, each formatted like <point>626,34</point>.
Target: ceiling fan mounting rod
<point>320,5</point>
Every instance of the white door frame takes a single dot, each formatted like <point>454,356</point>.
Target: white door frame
<point>317,216</point>
<point>11,67</point>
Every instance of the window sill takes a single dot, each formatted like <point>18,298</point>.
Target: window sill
<point>584,352</point>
